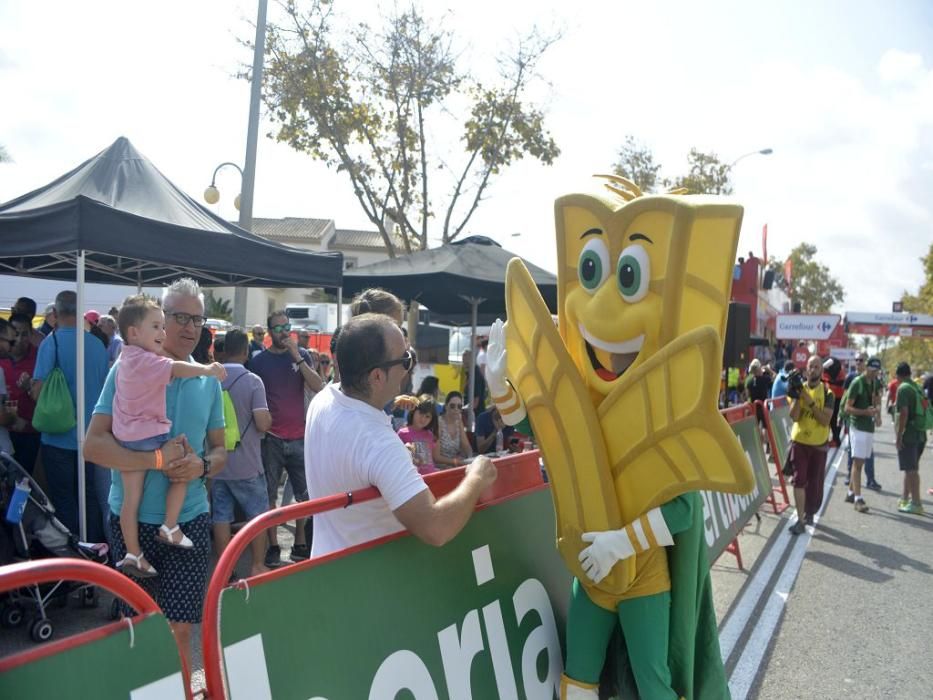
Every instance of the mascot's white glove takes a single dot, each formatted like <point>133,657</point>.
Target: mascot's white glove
<point>613,546</point>
<point>507,400</point>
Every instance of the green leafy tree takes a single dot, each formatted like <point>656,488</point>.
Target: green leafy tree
<point>706,173</point>
<point>636,163</point>
<point>217,308</point>
<point>375,102</point>
<point>918,352</point>
<point>811,283</point>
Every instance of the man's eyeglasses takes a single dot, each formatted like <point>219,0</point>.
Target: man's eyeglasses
<point>407,361</point>
<point>280,328</point>
<point>183,319</point>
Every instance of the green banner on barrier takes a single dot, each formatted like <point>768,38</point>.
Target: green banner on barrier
<point>725,514</point>
<point>781,424</point>
<point>105,669</point>
<point>482,617</point>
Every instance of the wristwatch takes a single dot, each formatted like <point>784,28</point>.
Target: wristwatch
<point>207,467</point>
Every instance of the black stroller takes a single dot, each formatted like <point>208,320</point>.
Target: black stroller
<point>35,533</point>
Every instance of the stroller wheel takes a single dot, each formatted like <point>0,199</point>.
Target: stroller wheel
<point>90,597</point>
<point>11,615</point>
<point>41,630</point>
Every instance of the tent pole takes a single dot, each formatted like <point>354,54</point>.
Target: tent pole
<point>471,371</point>
<point>79,399</point>
<point>339,308</point>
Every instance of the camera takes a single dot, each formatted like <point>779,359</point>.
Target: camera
<point>794,384</point>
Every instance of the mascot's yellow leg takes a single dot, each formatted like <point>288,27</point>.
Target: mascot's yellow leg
<point>575,690</point>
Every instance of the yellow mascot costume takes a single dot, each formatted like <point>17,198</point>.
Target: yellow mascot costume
<point>622,397</point>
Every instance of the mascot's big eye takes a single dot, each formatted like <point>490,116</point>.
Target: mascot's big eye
<point>593,266</point>
<point>634,273</point>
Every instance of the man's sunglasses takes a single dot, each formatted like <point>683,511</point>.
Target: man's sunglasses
<point>280,328</point>
<point>183,319</point>
<point>407,361</point>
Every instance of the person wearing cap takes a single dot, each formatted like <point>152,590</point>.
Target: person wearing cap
<point>91,318</point>
<point>870,482</point>
<point>911,436</point>
<point>864,407</point>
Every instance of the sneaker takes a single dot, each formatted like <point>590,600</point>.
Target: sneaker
<point>861,506</point>
<point>808,520</point>
<point>300,552</point>
<point>274,557</point>
<point>797,528</point>
<point>914,508</point>
<point>850,497</point>
<point>902,504</point>
<point>873,485</point>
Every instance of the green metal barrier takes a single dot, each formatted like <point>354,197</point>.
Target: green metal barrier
<point>139,661</point>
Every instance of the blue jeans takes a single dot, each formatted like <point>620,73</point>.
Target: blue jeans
<point>61,473</point>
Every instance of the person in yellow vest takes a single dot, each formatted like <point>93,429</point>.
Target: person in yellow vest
<point>811,409</point>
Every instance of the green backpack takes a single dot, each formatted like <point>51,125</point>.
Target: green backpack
<point>922,420</point>
<point>232,435</point>
<point>55,409</point>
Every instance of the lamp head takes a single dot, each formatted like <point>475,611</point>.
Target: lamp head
<point>211,195</point>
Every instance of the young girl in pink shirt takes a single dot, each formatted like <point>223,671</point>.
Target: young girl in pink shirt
<point>140,422</point>
<point>421,434</point>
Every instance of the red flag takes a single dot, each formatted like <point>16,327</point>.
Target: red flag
<point>788,271</point>
<point>764,246</point>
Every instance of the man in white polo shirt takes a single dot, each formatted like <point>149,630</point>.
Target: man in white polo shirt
<point>350,445</point>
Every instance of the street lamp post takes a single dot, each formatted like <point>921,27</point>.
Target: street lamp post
<point>244,202</point>
<point>762,152</point>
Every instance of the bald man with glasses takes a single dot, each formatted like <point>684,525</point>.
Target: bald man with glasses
<point>350,445</point>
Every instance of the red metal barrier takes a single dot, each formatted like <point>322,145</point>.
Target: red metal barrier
<point>518,473</point>
<point>30,573</point>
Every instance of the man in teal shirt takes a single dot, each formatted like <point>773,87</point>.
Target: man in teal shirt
<point>195,452</point>
<point>911,438</point>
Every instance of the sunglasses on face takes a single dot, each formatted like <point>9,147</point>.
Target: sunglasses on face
<point>407,361</point>
<point>280,328</point>
<point>325,362</point>
<point>183,319</point>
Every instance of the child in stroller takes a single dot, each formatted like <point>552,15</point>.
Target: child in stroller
<point>29,530</point>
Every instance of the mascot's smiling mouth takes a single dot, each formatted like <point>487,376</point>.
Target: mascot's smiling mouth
<point>621,355</point>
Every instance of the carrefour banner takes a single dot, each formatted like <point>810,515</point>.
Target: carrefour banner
<point>481,617</point>
<point>725,514</point>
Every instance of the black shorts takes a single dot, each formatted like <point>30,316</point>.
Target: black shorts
<point>182,581</point>
<point>908,457</point>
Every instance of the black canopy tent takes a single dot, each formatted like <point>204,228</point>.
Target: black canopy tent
<point>116,219</point>
<point>461,283</point>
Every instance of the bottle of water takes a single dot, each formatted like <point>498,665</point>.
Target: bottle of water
<point>14,512</point>
<point>500,441</point>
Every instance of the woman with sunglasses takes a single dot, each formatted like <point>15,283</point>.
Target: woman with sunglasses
<point>453,446</point>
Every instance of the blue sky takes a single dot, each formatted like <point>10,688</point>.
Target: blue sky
<point>843,93</point>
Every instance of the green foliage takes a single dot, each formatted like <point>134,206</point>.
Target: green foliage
<point>706,174</point>
<point>917,352</point>
<point>217,308</point>
<point>811,283</point>
<point>636,163</point>
<point>367,100</point>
